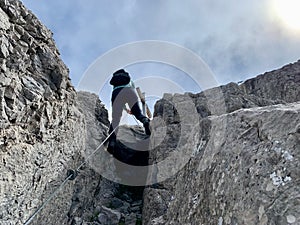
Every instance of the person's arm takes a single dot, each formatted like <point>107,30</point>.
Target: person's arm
<point>128,111</point>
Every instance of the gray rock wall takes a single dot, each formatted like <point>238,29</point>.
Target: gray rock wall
<point>42,132</point>
<point>90,189</point>
<point>239,146</point>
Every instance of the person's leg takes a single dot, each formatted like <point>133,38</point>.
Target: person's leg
<point>117,108</point>
<point>136,111</point>
<point>132,101</point>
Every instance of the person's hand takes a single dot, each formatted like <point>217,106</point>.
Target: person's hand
<point>128,111</point>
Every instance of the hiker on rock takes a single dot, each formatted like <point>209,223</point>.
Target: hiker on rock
<point>124,92</point>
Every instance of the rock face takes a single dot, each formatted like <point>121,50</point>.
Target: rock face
<point>42,132</point>
<point>239,157</point>
<point>89,182</point>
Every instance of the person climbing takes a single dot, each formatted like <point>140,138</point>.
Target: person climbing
<point>124,92</point>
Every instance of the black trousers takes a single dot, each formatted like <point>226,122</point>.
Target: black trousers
<point>120,97</point>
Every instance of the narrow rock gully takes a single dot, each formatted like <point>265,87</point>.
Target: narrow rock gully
<point>121,203</point>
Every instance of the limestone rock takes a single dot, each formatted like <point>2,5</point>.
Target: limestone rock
<point>109,216</point>
<point>90,188</point>
<point>4,20</point>
<point>42,131</point>
<point>243,154</point>
<point>255,163</point>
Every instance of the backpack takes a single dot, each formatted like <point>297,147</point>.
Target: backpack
<point>120,77</point>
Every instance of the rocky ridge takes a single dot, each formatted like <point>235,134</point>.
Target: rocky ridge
<point>42,131</point>
<point>38,118</point>
<point>240,154</point>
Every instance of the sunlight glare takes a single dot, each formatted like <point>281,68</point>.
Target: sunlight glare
<point>289,12</point>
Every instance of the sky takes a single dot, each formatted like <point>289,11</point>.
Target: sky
<point>237,40</point>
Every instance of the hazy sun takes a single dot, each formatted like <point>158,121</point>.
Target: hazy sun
<point>289,12</point>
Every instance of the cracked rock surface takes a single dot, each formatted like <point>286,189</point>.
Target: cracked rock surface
<point>38,118</point>
<point>42,131</point>
<point>239,151</point>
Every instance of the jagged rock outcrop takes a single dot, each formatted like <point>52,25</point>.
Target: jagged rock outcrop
<point>89,182</point>
<point>240,158</point>
<point>42,131</point>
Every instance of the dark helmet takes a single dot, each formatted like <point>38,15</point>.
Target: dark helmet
<point>120,77</point>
